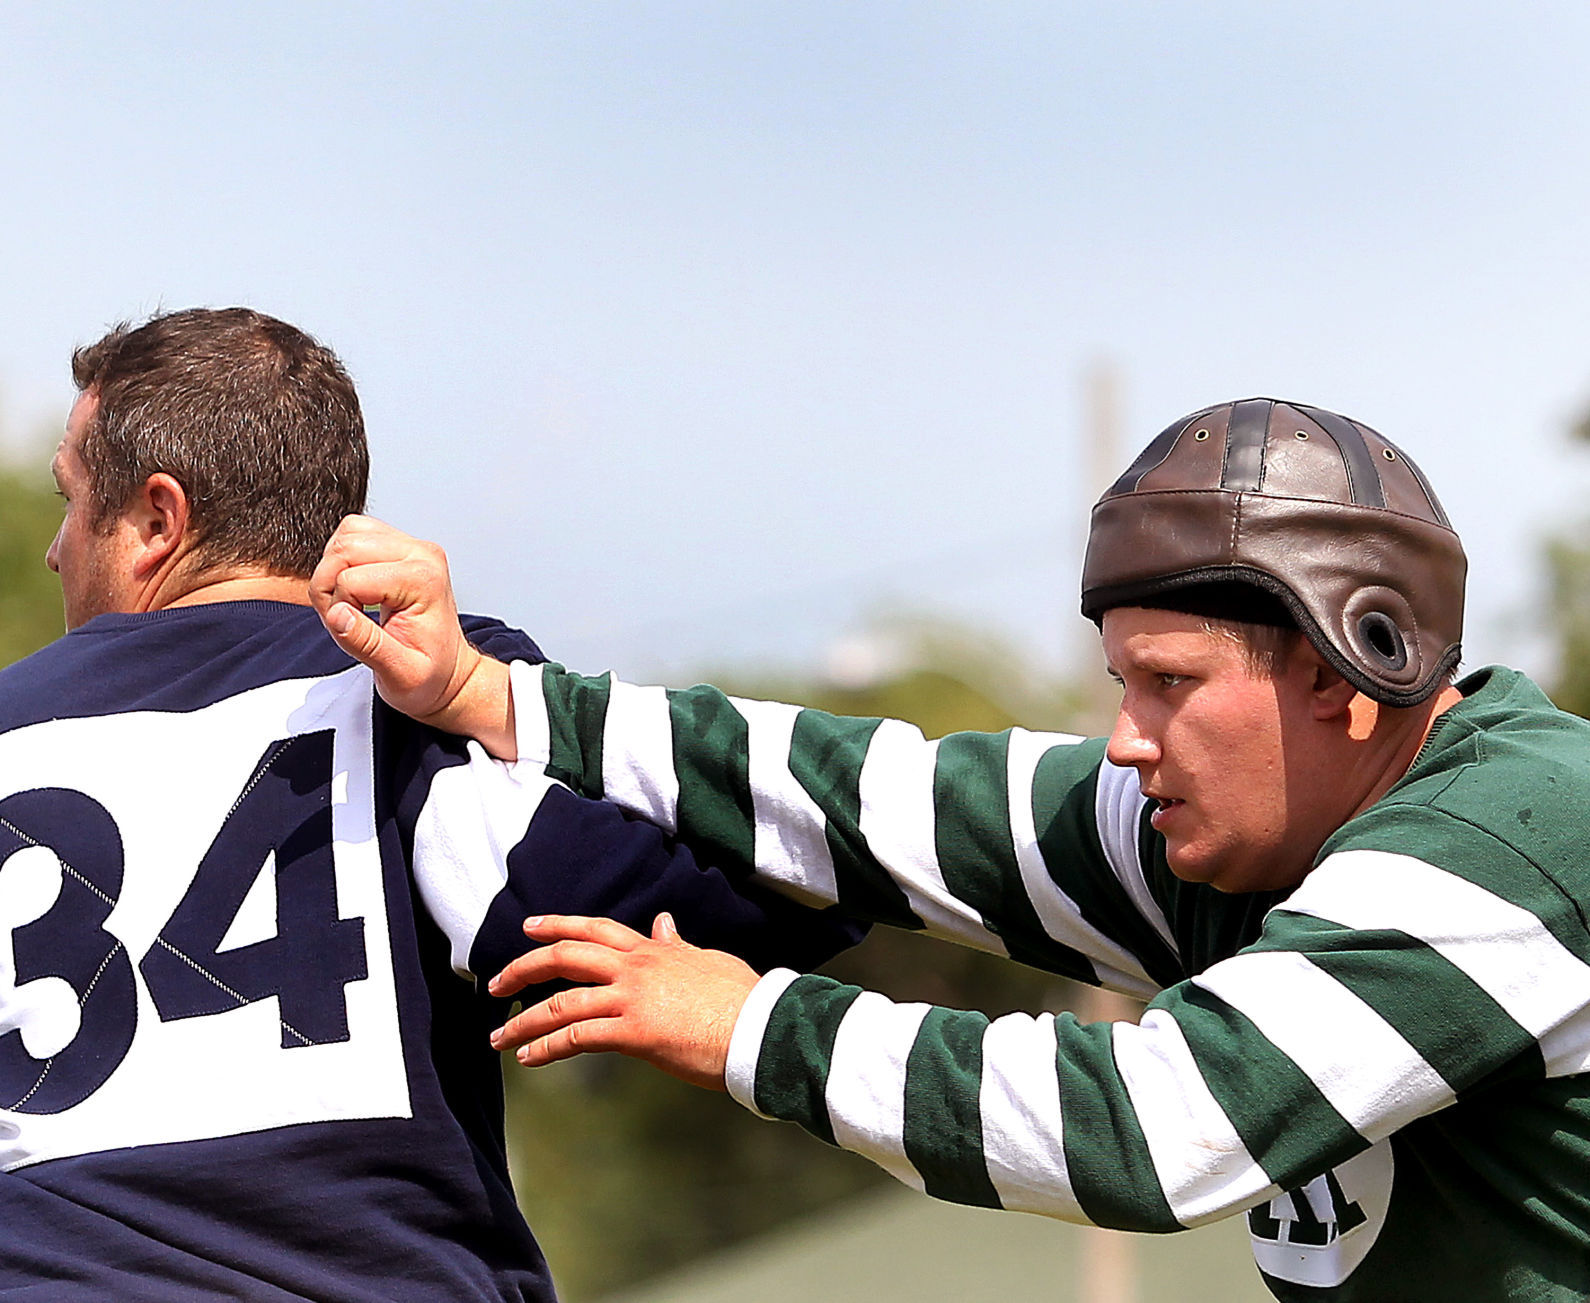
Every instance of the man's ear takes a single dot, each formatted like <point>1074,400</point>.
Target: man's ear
<point>1333,695</point>
<point>160,514</point>
<point>1330,695</point>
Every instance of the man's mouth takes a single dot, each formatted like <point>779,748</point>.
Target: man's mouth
<point>1164,806</point>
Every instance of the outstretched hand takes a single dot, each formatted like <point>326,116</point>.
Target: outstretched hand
<point>657,998</point>
<point>423,664</point>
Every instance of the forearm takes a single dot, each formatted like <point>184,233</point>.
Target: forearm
<point>482,709</point>
<point>494,843</point>
<point>1259,1076</point>
<point>1002,1113</point>
<point>865,813</point>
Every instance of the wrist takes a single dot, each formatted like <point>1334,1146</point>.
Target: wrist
<point>481,707</point>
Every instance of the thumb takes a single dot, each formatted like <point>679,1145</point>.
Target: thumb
<point>354,631</point>
<point>663,929</point>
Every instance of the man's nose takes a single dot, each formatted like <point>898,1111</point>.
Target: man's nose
<point>1130,745</point>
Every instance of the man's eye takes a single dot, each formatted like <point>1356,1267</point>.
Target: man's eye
<point>1171,680</point>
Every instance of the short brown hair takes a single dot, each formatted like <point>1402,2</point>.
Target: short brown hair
<point>258,422</point>
<point>1266,648</point>
<point>1253,618</point>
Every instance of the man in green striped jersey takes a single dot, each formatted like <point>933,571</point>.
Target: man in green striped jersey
<point>1353,892</point>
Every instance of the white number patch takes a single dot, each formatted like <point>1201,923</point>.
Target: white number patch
<point>193,926</point>
<point>1318,1235</point>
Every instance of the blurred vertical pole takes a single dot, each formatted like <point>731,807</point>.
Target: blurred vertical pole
<point>1107,1272</point>
<point>1098,463</point>
<point>1101,427</point>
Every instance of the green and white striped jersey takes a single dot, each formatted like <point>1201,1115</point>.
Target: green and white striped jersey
<point>1384,1068</point>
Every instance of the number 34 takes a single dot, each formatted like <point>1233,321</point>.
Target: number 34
<point>61,956</point>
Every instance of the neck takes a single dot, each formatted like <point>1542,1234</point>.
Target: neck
<point>235,587</point>
<point>1395,737</point>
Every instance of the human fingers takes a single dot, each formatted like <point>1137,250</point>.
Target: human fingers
<point>669,1003</point>
<point>357,538</point>
<point>582,927</point>
<point>409,674</point>
<point>360,529</point>
<point>595,1036</point>
<point>419,655</point>
<point>420,573</point>
<point>417,570</point>
<point>557,931</point>
<point>339,598</point>
<point>565,961</point>
<point>395,586</point>
<point>323,579</point>
<point>571,1005</point>
<point>354,631</point>
<point>360,537</point>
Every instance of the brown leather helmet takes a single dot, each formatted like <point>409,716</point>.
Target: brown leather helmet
<point>1318,511</point>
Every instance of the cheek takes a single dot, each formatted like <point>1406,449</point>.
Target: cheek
<point>69,541</point>
<point>1236,755</point>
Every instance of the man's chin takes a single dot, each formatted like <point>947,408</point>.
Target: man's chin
<point>1192,865</point>
<point>1234,874</point>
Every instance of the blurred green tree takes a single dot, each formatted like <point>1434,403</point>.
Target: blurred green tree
<point>1568,605</point>
<point>30,597</point>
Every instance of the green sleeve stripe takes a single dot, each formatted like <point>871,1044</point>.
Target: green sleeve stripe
<point>1111,1170</point>
<point>798,1052</point>
<point>716,816</point>
<point>1068,839</point>
<point>977,853</point>
<point>1286,1124</point>
<point>1453,1022</point>
<point>826,756</point>
<point>576,715</point>
<point>943,1120</point>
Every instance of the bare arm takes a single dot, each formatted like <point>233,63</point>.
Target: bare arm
<point>423,664</point>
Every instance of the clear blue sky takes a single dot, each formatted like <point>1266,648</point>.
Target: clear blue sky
<point>696,330</point>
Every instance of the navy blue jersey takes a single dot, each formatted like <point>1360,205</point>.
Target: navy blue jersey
<point>243,910</point>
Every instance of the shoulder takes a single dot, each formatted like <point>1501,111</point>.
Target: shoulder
<point>1504,763</point>
<point>501,640</point>
<point>180,659</point>
<point>1502,828</point>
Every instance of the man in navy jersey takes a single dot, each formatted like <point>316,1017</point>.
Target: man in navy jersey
<point>243,902</point>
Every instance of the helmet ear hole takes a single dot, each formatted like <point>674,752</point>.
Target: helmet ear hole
<point>1379,636</point>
